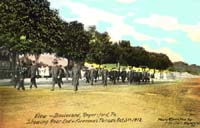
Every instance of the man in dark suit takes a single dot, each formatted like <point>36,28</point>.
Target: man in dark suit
<point>60,75</point>
<point>123,75</point>
<point>87,75</point>
<point>104,76</point>
<point>92,75</point>
<point>55,74</point>
<point>22,70</point>
<point>113,74</point>
<point>130,76</point>
<point>34,72</point>
<point>76,75</point>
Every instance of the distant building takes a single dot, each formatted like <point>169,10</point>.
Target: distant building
<point>47,59</point>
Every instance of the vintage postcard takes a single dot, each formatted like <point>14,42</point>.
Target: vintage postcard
<point>99,64</point>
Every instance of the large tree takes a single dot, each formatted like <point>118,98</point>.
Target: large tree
<point>29,26</point>
<point>75,43</point>
<point>100,46</point>
<point>159,61</point>
<point>104,51</point>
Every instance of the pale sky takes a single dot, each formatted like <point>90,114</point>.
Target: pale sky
<point>165,26</point>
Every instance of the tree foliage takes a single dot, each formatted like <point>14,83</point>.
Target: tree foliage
<point>33,19</point>
<point>42,28</point>
<point>184,67</point>
<point>32,27</point>
<point>104,51</point>
<point>100,46</point>
<point>75,43</point>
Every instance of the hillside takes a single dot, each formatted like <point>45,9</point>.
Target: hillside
<point>184,67</point>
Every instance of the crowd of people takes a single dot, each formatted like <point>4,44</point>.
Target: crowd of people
<point>117,75</point>
<point>91,75</point>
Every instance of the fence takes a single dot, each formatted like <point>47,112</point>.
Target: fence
<point>6,73</point>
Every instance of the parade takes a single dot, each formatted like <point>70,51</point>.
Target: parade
<point>91,75</point>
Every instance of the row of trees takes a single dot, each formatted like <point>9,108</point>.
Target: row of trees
<point>102,50</point>
<point>184,67</point>
<point>31,27</point>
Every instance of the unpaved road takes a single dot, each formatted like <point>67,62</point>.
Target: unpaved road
<point>166,105</point>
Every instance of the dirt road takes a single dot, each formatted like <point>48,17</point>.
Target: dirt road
<point>166,105</point>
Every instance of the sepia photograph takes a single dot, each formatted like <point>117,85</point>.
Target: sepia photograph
<point>99,64</point>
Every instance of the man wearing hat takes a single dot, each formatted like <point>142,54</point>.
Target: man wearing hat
<point>104,76</point>
<point>22,71</point>
<point>87,75</point>
<point>113,74</point>
<point>61,73</point>
<point>92,75</point>
<point>55,74</point>
<point>123,75</point>
<point>76,75</point>
<point>34,72</point>
<point>130,75</point>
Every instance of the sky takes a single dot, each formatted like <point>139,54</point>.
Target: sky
<point>171,27</point>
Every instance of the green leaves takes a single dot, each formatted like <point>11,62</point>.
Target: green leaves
<point>45,31</point>
<point>75,42</point>
<point>32,18</point>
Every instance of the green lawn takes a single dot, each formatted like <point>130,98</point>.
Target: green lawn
<point>150,103</point>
